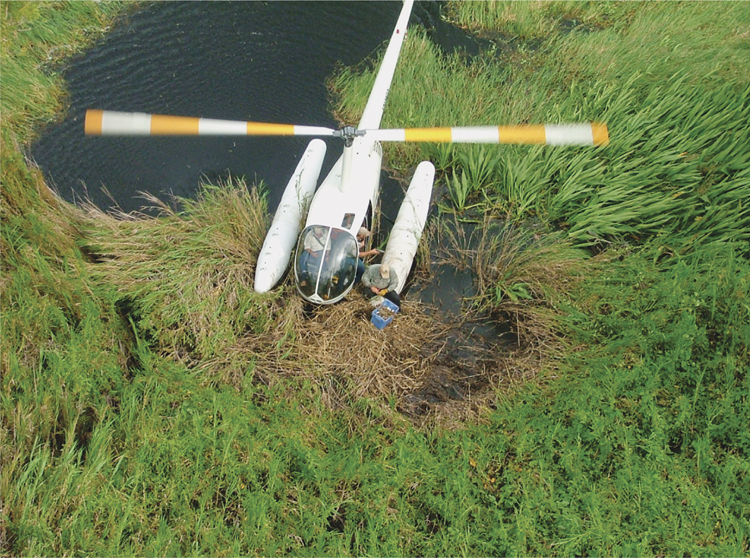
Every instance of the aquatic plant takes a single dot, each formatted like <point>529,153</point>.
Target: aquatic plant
<point>185,277</point>
<point>678,155</point>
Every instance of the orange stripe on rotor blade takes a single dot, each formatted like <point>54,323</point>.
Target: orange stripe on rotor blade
<point>264,129</point>
<point>427,134</point>
<point>174,125</point>
<point>600,133</point>
<point>92,126</point>
<point>522,134</point>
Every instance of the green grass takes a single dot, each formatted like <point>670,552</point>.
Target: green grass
<point>135,422</point>
<point>680,136</point>
<point>186,278</point>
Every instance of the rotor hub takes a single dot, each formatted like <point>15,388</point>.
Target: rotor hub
<point>348,133</point>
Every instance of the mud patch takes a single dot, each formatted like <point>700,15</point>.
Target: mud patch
<point>465,370</point>
<point>447,382</point>
<point>418,365</point>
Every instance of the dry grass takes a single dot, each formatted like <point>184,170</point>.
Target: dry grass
<point>185,278</point>
<point>337,348</point>
<point>409,368</point>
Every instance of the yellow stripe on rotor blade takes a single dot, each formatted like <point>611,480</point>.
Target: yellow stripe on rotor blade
<point>174,125</point>
<point>264,129</point>
<point>93,123</point>
<point>600,133</point>
<point>428,134</point>
<point>522,134</point>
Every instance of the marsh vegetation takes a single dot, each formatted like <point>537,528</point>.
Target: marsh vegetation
<point>152,403</point>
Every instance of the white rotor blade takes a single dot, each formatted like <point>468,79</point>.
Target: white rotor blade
<point>593,133</point>
<point>112,123</point>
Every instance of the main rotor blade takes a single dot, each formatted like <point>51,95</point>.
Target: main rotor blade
<point>112,123</point>
<point>593,133</point>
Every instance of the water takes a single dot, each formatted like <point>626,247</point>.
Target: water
<point>263,61</point>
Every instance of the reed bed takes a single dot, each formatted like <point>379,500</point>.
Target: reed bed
<point>602,40</point>
<point>185,278</point>
<point>55,330</point>
<point>680,135</point>
<point>523,274</point>
<point>37,37</point>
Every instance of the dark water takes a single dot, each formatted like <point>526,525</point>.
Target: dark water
<point>263,61</point>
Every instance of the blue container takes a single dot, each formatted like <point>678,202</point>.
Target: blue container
<point>383,314</point>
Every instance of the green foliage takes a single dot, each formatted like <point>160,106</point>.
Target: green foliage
<point>193,298</point>
<point>665,398</point>
<point>679,149</point>
<point>633,441</point>
<point>478,170</point>
<point>685,323</point>
<point>35,36</point>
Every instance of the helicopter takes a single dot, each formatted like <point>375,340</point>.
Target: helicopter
<point>326,250</point>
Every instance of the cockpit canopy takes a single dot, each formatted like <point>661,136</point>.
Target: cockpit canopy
<point>325,264</point>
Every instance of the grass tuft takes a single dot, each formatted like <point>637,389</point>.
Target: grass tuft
<point>186,277</point>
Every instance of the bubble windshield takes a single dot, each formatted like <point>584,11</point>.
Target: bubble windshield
<point>326,263</point>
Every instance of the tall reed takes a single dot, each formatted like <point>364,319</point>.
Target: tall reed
<point>679,137</point>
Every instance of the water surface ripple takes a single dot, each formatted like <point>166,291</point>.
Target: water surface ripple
<point>263,61</point>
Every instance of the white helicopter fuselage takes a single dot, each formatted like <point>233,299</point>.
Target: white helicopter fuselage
<point>344,202</point>
<point>351,188</point>
<point>354,181</point>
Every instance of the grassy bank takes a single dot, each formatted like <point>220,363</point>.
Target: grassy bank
<point>673,181</point>
<point>153,404</point>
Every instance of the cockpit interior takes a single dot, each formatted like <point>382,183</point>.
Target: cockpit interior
<point>326,263</point>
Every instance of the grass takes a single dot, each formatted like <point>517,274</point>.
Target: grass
<point>193,299</point>
<point>153,404</point>
<point>679,149</point>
